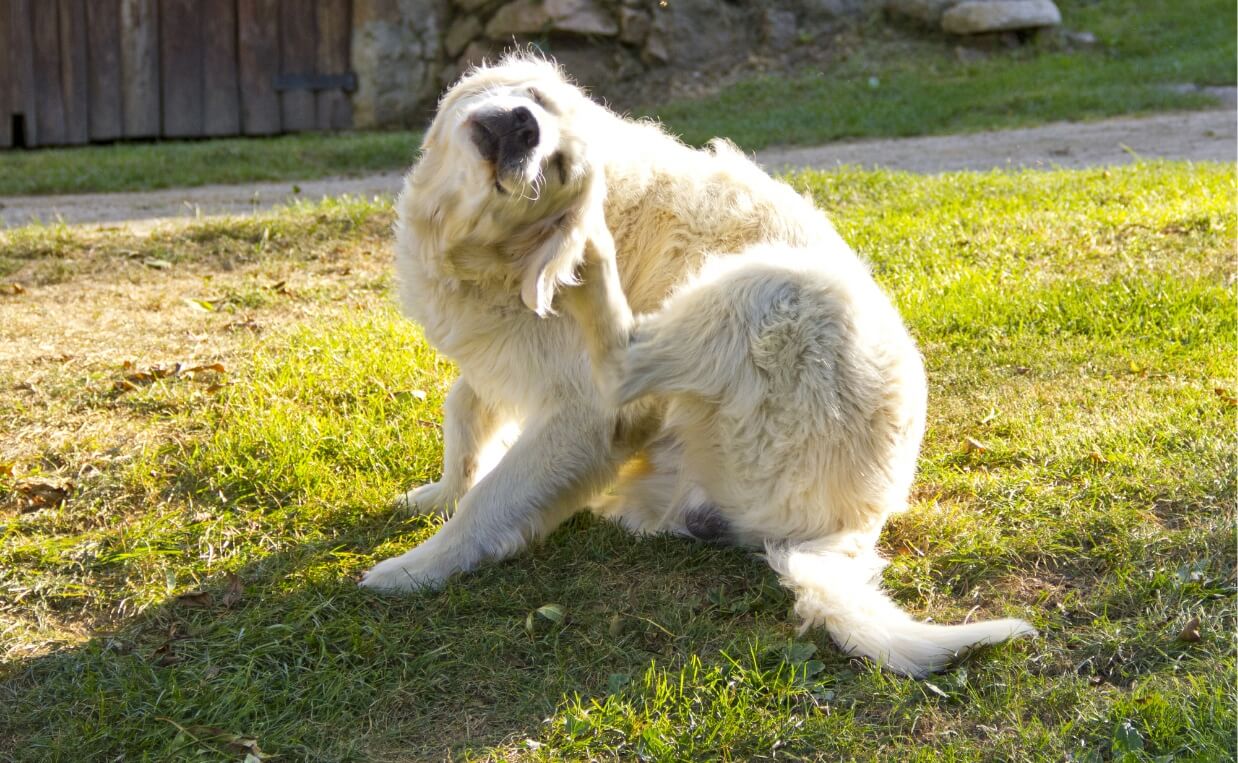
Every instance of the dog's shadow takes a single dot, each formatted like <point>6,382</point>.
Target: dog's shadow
<point>292,654</point>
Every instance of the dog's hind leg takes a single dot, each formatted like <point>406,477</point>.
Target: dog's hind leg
<point>644,493</point>
<point>600,309</point>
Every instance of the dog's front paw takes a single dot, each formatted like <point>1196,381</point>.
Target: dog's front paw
<point>431,498</point>
<point>417,570</point>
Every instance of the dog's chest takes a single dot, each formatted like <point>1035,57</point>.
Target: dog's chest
<point>506,352</point>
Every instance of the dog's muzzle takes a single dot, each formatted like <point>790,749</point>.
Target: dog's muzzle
<point>505,137</point>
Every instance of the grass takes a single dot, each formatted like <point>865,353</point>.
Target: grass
<point>194,598</point>
<point>177,164</point>
<point>885,83</point>
<point>889,86</point>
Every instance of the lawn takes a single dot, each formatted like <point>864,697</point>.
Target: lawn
<point>180,585</point>
<point>884,83</point>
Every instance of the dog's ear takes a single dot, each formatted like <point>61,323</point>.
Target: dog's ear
<point>554,263</point>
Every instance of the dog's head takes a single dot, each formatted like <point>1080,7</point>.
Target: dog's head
<point>508,172</point>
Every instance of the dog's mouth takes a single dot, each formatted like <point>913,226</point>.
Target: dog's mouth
<point>507,139</point>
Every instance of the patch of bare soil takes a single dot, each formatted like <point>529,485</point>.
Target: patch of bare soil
<point>104,363</point>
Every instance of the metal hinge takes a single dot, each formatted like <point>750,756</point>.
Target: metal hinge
<point>346,82</point>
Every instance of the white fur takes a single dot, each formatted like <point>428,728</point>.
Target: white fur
<point>768,383</point>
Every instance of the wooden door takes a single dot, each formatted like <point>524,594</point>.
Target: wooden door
<point>73,71</point>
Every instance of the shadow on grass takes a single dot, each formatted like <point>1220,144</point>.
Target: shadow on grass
<point>312,667</point>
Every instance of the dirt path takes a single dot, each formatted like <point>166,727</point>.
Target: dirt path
<point>1197,136</point>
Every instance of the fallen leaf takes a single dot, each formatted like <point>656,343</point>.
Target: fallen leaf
<point>552,612</point>
<point>1097,457</point>
<point>163,655</point>
<point>216,367</point>
<point>195,599</point>
<point>238,744</point>
<point>14,289</point>
<point>200,305</point>
<point>1225,395</point>
<point>616,625</point>
<point>41,492</point>
<point>972,445</point>
<point>234,592</point>
<point>1190,631</point>
<point>248,323</point>
<point>7,469</point>
<point>137,378</point>
<point>156,263</point>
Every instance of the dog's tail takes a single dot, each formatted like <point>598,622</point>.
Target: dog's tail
<point>838,584</point>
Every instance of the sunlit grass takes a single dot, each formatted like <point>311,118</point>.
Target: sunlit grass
<point>1079,333</point>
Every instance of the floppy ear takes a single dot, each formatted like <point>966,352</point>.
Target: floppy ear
<point>554,262</point>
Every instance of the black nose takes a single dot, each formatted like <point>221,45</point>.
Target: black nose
<point>505,136</point>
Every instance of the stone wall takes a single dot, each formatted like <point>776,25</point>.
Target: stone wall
<point>397,54</point>
<point>628,52</point>
<point>406,51</point>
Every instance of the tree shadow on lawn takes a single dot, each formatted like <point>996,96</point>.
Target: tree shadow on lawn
<point>311,667</point>
<point>298,661</point>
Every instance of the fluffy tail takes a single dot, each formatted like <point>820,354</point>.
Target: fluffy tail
<point>840,588</point>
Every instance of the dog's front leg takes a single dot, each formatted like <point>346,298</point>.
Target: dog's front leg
<point>560,461</point>
<point>469,423</point>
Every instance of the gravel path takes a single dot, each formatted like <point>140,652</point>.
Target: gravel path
<point>1196,136</point>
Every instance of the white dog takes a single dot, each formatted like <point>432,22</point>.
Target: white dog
<point>770,395</point>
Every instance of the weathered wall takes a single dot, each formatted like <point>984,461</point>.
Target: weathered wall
<point>397,55</point>
<point>628,52</point>
<point>406,51</point>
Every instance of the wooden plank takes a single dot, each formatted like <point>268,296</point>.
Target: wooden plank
<point>180,68</point>
<point>8,77</point>
<point>297,49</point>
<point>333,107</point>
<point>74,52</point>
<point>48,97</point>
<point>258,57</point>
<point>139,67</point>
<point>221,101</point>
<point>21,56</point>
<point>103,33</point>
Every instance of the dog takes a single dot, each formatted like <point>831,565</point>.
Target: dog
<point>767,394</point>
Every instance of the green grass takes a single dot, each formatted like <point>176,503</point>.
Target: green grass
<point>884,84</point>
<point>176,164</point>
<point>886,87</point>
<point>1080,325</point>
